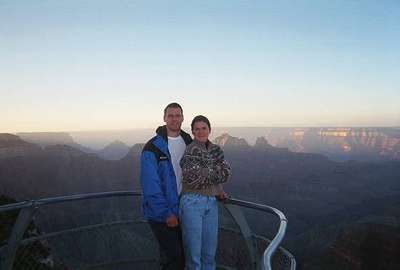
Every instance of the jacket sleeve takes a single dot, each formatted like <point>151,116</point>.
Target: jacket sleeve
<point>221,172</point>
<point>151,185</point>
<point>221,168</point>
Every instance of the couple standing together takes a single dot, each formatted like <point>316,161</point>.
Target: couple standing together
<point>181,180</point>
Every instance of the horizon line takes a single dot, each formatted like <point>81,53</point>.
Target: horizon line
<point>188,127</point>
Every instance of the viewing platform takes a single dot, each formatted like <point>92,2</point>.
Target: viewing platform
<point>105,231</point>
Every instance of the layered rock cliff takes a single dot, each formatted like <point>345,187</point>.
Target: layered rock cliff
<point>52,138</point>
<point>342,143</point>
<point>12,146</point>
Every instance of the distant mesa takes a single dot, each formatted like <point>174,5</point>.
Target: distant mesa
<point>12,146</point>
<point>56,143</point>
<point>226,140</point>
<point>114,151</point>
<point>10,140</point>
<point>52,138</point>
<point>47,138</point>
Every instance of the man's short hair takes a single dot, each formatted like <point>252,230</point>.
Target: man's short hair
<point>173,105</point>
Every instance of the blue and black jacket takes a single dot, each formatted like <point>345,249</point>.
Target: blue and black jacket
<point>157,178</point>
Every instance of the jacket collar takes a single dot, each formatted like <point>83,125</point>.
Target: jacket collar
<point>162,131</point>
<point>205,145</point>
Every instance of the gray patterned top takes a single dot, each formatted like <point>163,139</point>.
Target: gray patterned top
<point>204,168</point>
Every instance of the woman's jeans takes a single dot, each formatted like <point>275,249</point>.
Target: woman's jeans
<point>199,221</point>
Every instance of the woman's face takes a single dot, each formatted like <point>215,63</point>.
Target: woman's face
<point>201,131</point>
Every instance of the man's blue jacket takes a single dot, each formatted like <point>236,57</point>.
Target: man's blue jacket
<point>157,178</point>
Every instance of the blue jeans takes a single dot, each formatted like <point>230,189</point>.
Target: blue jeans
<point>199,221</point>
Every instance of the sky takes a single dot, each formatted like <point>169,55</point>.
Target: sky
<point>112,65</point>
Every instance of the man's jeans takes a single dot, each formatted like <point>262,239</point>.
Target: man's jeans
<point>199,221</point>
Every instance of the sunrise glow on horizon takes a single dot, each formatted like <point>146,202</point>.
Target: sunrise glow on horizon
<point>115,65</point>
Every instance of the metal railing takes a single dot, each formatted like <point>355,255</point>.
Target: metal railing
<point>274,244</point>
<point>28,209</point>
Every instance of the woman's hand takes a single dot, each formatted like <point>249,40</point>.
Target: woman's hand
<point>221,196</point>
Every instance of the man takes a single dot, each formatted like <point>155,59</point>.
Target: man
<point>160,179</point>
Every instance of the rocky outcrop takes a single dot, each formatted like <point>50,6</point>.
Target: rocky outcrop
<point>225,140</point>
<point>134,152</point>
<point>12,146</point>
<point>262,143</point>
<point>114,151</point>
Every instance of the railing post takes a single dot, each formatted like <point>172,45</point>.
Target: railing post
<point>24,218</point>
<point>237,215</point>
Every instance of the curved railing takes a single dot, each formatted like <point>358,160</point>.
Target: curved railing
<point>274,244</point>
<point>27,210</point>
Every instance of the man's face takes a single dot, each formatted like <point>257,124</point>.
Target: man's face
<point>173,118</point>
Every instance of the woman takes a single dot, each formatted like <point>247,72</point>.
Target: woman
<point>204,169</point>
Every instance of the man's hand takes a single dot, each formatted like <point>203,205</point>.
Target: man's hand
<point>172,221</point>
